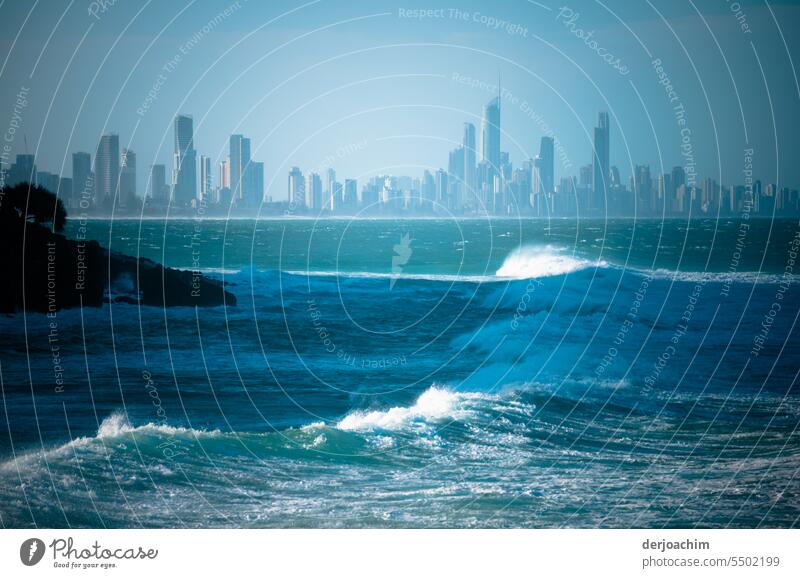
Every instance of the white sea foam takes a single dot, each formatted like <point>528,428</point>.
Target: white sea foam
<point>114,426</point>
<point>117,424</point>
<point>530,262</point>
<point>436,404</point>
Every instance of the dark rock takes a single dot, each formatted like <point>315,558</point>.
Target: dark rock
<point>44,271</point>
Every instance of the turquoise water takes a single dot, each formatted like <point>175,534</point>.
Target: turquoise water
<point>420,373</point>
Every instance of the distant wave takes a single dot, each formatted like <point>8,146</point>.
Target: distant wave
<point>531,262</point>
<point>523,263</point>
<point>718,277</point>
<point>411,276</point>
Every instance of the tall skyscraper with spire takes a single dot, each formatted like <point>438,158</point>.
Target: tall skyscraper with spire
<point>490,184</point>
<point>490,135</point>
<point>600,163</point>
<point>184,167</point>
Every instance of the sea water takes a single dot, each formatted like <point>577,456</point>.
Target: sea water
<point>418,373</point>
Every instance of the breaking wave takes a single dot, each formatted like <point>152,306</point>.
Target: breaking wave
<point>531,262</point>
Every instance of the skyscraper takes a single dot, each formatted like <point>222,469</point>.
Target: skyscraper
<point>82,180</point>
<point>297,188</point>
<point>546,165</point>
<point>256,184</point>
<point>65,191</point>
<point>127,178</point>
<point>239,165</point>
<point>428,190</point>
<point>314,191</point>
<point>106,168</point>
<point>225,174</point>
<point>184,175</point>
<point>205,178</point>
<point>470,158</point>
<point>351,193</point>
<point>22,171</point>
<point>157,187</point>
<point>600,163</point>
<point>441,189</point>
<point>329,192</point>
<point>47,181</point>
<point>455,178</point>
<point>642,187</point>
<point>337,196</point>
<point>490,136</point>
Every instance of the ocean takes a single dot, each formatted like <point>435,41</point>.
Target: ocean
<point>418,373</point>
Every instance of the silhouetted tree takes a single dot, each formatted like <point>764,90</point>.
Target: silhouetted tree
<point>32,203</point>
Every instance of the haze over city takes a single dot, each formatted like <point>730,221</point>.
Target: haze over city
<point>404,82</point>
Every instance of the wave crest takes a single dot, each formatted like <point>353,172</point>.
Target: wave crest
<point>434,405</point>
<point>530,262</point>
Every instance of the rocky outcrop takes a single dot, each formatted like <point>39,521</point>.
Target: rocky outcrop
<point>43,271</point>
<point>152,284</point>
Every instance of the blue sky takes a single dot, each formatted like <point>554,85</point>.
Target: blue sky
<point>375,87</point>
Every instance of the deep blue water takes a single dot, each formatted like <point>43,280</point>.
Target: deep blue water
<point>474,373</point>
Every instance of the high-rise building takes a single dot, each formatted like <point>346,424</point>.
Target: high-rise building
<point>184,173</point>
<point>239,166</point>
<point>337,196</point>
<point>537,187</point>
<point>256,184</point>
<point>470,160</point>
<point>65,191</point>
<point>106,168</point>
<point>351,193</point>
<point>22,171</point>
<point>484,180</point>
<point>600,163</point>
<point>314,191</point>
<point>643,190</point>
<point>47,181</point>
<point>297,188</point>
<point>490,136</point>
<point>225,174</point>
<point>455,178</point>
<point>82,179</point>
<point>522,187</point>
<point>546,165</point>
<point>441,189</point>
<point>157,188</point>
<point>205,178</point>
<point>329,202</point>
<point>428,190</point>
<point>127,178</point>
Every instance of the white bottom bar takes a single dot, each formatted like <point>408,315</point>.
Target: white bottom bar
<point>424,553</point>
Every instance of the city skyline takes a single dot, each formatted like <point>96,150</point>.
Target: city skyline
<point>286,110</point>
<point>467,186</point>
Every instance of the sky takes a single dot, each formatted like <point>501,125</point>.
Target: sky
<point>381,87</point>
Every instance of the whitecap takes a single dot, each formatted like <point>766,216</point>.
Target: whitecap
<point>530,262</point>
<point>436,404</point>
